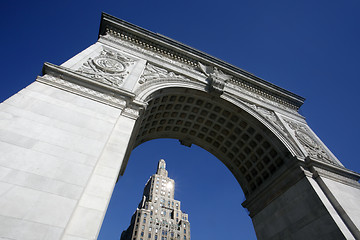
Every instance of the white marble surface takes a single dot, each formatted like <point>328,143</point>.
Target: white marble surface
<point>51,141</point>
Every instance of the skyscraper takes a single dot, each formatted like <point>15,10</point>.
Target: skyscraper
<point>158,216</point>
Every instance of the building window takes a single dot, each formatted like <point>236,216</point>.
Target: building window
<point>142,234</point>
<point>144,221</point>
<point>149,236</point>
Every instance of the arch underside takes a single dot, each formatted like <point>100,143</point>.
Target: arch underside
<point>247,147</point>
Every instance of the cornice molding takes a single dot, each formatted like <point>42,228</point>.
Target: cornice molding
<point>72,76</point>
<point>184,54</point>
<point>320,168</point>
<point>74,82</point>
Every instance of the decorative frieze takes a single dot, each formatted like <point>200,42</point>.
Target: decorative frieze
<point>262,96</point>
<point>148,45</point>
<point>149,48</point>
<point>108,67</point>
<point>84,91</point>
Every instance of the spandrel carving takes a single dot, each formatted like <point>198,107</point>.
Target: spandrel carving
<point>152,72</point>
<point>311,145</point>
<point>108,67</point>
<point>268,115</point>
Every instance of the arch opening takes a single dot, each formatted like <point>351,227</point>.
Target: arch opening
<point>208,197</point>
<point>247,147</point>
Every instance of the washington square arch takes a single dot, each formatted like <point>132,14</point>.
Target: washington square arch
<point>133,86</point>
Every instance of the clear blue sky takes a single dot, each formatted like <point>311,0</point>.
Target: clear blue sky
<point>308,47</point>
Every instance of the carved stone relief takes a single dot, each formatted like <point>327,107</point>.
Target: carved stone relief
<point>148,49</point>
<point>268,115</point>
<point>108,67</point>
<point>216,78</point>
<point>242,88</point>
<point>309,142</point>
<point>152,72</point>
<point>186,62</point>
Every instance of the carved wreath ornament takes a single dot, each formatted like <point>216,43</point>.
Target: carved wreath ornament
<point>108,67</point>
<point>312,147</point>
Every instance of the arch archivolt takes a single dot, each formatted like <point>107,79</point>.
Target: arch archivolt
<point>251,151</point>
<point>297,138</point>
<point>241,128</point>
<point>271,120</point>
<point>155,78</point>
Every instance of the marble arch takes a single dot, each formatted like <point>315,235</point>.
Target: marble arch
<point>67,137</point>
<point>246,146</point>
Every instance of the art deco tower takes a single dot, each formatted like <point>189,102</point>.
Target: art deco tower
<point>158,216</point>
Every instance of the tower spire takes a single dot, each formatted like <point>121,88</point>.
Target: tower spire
<point>161,169</point>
